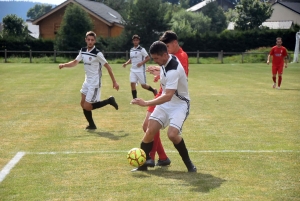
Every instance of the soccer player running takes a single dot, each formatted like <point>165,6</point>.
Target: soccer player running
<point>279,55</point>
<point>93,61</point>
<point>171,40</point>
<point>172,107</point>
<point>138,58</point>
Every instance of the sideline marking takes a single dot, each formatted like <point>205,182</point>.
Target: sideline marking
<point>169,151</point>
<point>10,165</point>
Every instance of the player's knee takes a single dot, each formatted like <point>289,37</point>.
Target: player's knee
<point>144,86</point>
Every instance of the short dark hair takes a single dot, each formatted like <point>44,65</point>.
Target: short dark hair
<point>168,37</point>
<point>90,33</point>
<point>136,37</point>
<point>158,47</point>
<point>278,38</point>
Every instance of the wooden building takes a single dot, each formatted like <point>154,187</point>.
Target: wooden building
<point>107,22</point>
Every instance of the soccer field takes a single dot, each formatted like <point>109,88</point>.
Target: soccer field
<point>242,135</point>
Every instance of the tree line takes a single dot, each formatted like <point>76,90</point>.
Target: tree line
<point>150,19</point>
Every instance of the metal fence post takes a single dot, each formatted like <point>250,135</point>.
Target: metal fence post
<point>197,56</point>
<point>54,57</point>
<point>30,55</point>
<point>5,56</point>
<point>127,55</point>
<point>242,57</point>
<point>221,56</point>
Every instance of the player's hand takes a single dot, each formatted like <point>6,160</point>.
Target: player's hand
<point>138,101</point>
<point>285,66</point>
<point>139,65</point>
<point>154,70</point>
<point>156,78</point>
<point>61,66</point>
<point>124,65</point>
<point>116,86</point>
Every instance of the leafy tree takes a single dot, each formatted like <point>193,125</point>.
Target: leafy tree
<point>187,24</point>
<point>13,26</point>
<point>75,24</point>
<point>231,15</point>
<point>146,18</point>
<point>38,10</point>
<point>218,18</point>
<point>251,14</point>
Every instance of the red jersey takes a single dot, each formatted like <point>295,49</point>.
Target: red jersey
<point>278,53</point>
<point>184,60</point>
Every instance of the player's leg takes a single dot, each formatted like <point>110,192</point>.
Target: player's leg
<point>177,117</point>
<point>179,144</point>
<point>143,81</point>
<point>280,71</point>
<point>147,143</point>
<point>274,72</point>
<point>163,158</point>
<point>133,81</point>
<point>87,112</point>
<point>111,101</point>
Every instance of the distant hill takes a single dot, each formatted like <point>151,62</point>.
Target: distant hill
<point>20,8</point>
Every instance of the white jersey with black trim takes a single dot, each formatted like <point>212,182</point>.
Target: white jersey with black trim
<point>137,55</point>
<point>172,76</point>
<point>92,61</point>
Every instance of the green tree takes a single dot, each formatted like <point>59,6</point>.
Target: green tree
<point>251,14</point>
<point>231,15</point>
<point>13,26</point>
<point>218,18</point>
<point>75,24</point>
<point>38,10</point>
<point>187,24</point>
<point>147,19</point>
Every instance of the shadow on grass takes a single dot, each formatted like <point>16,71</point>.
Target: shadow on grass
<point>109,135</point>
<point>291,89</point>
<point>199,182</point>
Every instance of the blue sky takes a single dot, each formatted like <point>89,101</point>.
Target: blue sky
<point>55,2</point>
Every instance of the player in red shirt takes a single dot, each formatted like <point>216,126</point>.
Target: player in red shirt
<point>279,55</point>
<point>170,39</point>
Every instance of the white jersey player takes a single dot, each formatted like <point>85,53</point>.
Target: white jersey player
<point>138,58</point>
<point>172,107</point>
<point>93,61</point>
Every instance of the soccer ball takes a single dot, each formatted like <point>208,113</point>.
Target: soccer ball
<point>136,157</point>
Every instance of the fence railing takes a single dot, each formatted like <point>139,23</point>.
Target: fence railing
<point>125,54</point>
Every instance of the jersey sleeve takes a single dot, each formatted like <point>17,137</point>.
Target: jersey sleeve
<point>101,58</point>
<point>144,52</point>
<point>79,57</point>
<point>272,51</point>
<point>285,52</point>
<point>172,79</point>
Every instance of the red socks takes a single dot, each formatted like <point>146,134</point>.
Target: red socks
<point>157,147</point>
<point>279,80</point>
<point>274,79</point>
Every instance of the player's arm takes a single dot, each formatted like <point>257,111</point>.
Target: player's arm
<point>126,63</point>
<point>69,64</point>
<point>109,69</point>
<point>159,100</point>
<point>286,59</point>
<point>147,58</point>
<point>268,61</point>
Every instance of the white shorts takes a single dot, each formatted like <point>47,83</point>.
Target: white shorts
<point>171,116</point>
<point>92,93</point>
<point>138,77</point>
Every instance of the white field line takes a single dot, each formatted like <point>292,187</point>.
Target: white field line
<point>169,151</point>
<point>10,165</point>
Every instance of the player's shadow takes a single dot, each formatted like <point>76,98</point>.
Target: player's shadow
<point>109,135</point>
<point>199,182</point>
<point>291,89</point>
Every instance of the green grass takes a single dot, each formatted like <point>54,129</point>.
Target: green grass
<point>242,135</point>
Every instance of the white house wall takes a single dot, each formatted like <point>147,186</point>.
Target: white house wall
<point>281,13</point>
